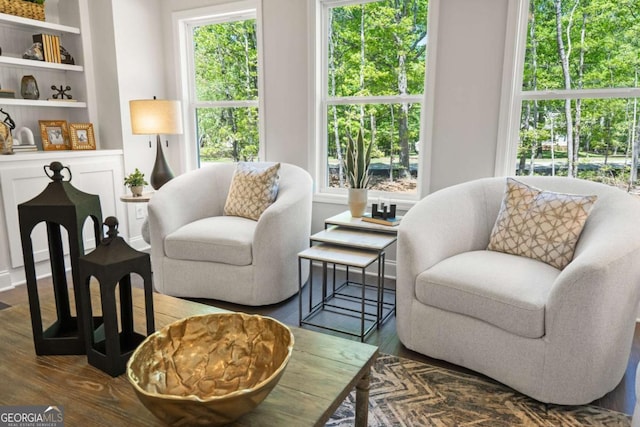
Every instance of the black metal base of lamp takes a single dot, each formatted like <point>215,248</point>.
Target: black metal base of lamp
<point>162,172</point>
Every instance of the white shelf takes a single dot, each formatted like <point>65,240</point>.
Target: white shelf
<point>36,25</point>
<point>19,62</point>
<point>41,103</point>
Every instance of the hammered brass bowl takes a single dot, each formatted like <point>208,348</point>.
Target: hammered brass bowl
<point>211,369</point>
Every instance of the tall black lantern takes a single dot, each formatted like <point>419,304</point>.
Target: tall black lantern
<point>112,263</point>
<point>60,204</point>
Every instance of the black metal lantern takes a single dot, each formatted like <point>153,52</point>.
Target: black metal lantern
<point>60,204</point>
<point>111,264</point>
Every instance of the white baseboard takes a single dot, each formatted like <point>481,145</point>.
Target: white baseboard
<point>5,281</point>
<point>139,244</point>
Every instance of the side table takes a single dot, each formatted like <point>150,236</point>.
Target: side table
<point>352,243</point>
<point>128,198</point>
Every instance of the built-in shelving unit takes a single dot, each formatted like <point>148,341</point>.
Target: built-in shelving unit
<point>32,24</point>
<point>27,63</point>
<point>42,103</point>
<point>16,36</point>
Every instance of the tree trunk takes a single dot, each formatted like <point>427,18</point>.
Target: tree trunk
<point>334,108</point>
<point>578,122</point>
<point>403,120</point>
<point>362,63</point>
<point>564,60</point>
<point>534,85</point>
<point>635,138</point>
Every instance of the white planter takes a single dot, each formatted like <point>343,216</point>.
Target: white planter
<point>136,190</point>
<point>357,201</point>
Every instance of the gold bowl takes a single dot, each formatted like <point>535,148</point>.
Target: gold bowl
<point>210,369</point>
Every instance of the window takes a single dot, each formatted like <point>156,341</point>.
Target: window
<point>222,68</point>
<point>575,112</point>
<point>373,76</point>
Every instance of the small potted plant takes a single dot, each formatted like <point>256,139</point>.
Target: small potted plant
<point>356,165</point>
<point>135,181</point>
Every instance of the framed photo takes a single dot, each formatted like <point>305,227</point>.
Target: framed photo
<point>82,137</point>
<point>55,135</point>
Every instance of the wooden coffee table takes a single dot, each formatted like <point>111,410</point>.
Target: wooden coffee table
<point>322,371</point>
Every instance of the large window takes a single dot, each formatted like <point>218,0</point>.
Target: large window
<point>373,76</point>
<point>576,112</point>
<point>222,66</point>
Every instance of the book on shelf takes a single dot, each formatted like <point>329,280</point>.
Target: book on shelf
<point>391,222</point>
<point>6,93</point>
<point>50,46</point>
<point>24,148</point>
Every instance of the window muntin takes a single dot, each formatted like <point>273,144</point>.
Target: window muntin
<point>374,76</point>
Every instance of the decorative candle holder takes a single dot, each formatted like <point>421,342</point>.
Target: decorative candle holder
<point>59,205</point>
<point>111,263</point>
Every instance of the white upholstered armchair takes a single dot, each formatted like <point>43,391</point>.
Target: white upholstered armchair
<point>559,336</point>
<point>198,252</point>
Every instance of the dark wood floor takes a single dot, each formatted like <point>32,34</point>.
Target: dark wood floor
<point>622,398</point>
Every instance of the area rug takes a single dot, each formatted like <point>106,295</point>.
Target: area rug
<point>409,393</point>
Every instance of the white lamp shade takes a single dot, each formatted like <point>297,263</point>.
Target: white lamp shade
<point>155,116</point>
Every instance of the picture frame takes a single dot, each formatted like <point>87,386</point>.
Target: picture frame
<point>55,135</point>
<point>82,136</point>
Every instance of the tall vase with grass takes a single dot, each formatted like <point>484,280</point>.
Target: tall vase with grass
<point>356,166</point>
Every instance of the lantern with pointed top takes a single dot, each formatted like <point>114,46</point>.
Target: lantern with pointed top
<point>59,205</point>
<point>112,263</point>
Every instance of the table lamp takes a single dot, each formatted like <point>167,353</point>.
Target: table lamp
<point>149,116</point>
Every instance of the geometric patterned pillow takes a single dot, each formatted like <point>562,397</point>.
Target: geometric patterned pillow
<point>254,187</point>
<point>539,224</point>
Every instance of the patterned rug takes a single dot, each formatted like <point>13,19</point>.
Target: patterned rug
<point>409,393</point>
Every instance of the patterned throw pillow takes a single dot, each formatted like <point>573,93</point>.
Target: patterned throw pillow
<point>253,188</point>
<point>539,224</point>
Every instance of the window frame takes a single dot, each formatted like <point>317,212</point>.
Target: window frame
<point>183,23</point>
<point>323,101</point>
<point>513,95</point>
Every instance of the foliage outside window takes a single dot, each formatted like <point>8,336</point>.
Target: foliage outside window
<point>579,98</point>
<point>374,72</point>
<point>225,80</point>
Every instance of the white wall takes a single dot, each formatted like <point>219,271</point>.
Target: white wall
<point>129,64</point>
<point>470,57</point>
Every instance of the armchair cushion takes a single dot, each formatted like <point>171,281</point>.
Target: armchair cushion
<point>223,239</point>
<point>539,224</point>
<point>507,291</point>
<point>254,187</point>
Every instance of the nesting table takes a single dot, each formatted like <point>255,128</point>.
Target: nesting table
<point>353,307</point>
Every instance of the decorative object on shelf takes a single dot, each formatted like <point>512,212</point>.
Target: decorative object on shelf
<point>29,88</point>
<point>111,264</point>
<point>136,182</point>
<point>384,215</point>
<point>8,120</point>
<point>384,212</point>
<point>82,137</point>
<point>156,116</point>
<point>55,135</point>
<point>24,140</point>
<point>7,93</point>
<point>6,142</point>
<point>60,205</point>
<point>35,52</point>
<point>356,166</point>
<point>61,93</point>
<point>65,57</point>
<point>6,126</point>
<point>205,385</point>
<point>32,9</point>
<point>50,46</point>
